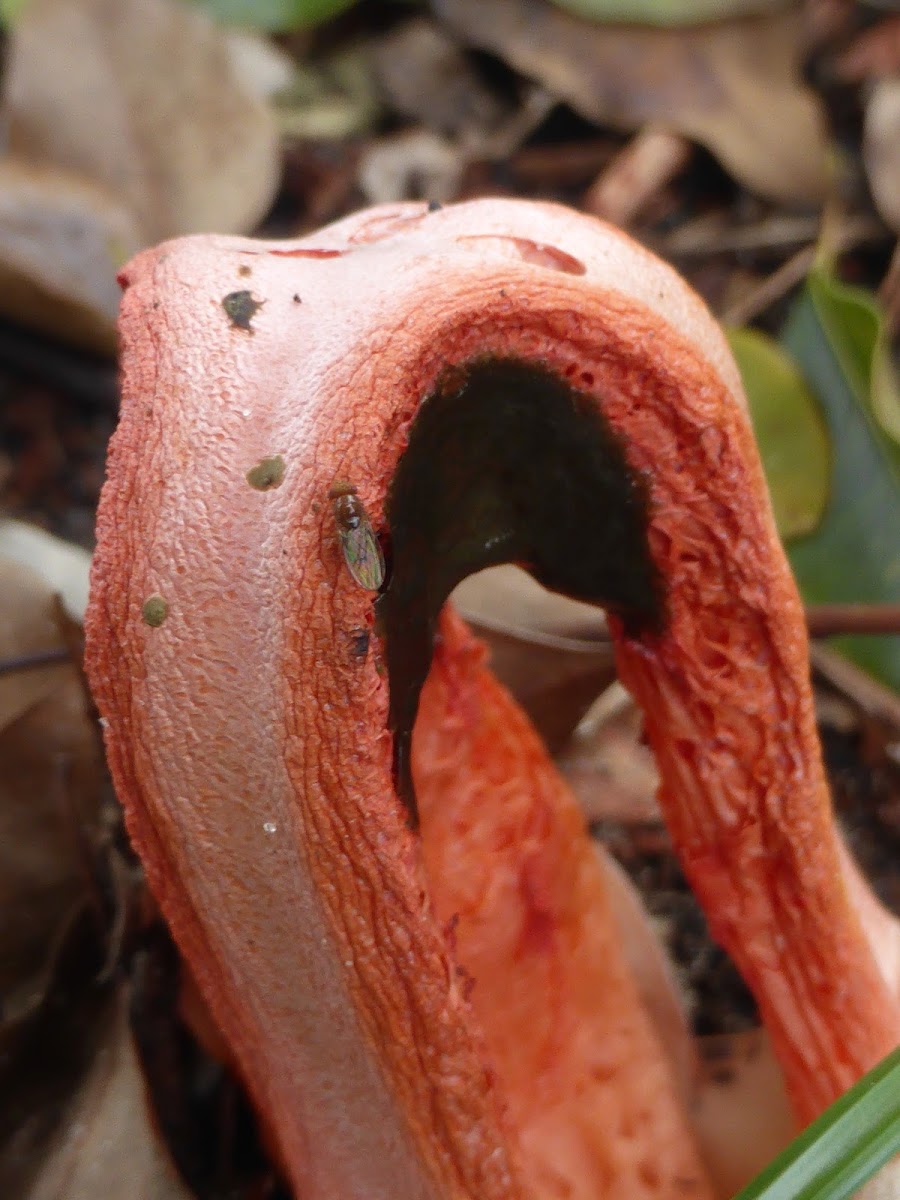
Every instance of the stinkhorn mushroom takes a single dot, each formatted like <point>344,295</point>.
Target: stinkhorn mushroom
<point>386,895</point>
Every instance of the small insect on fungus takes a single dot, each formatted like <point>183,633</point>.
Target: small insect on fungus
<point>362,553</point>
<point>359,642</point>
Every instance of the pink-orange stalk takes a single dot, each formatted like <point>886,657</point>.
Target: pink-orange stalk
<point>448,1016</point>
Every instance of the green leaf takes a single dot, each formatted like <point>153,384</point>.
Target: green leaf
<point>789,429</point>
<point>10,11</point>
<point>667,12</point>
<point>855,327</point>
<point>273,15</point>
<point>843,1148</point>
<point>837,338</point>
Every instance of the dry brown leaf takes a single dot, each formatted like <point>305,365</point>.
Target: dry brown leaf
<point>74,1115</point>
<point>608,766</point>
<point>637,174</point>
<point>554,686</point>
<point>49,799</point>
<point>74,1120</point>
<point>49,813</point>
<point>63,566</point>
<point>873,54</point>
<point>27,626</point>
<point>734,86</point>
<point>426,76</point>
<point>45,1051</point>
<point>654,976</point>
<point>507,600</point>
<point>826,20</point>
<point>156,108</point>
<point>62,239</point>
<point>741,1117</point>
<point>106,1145</point>
<point>263,67</point>
<point>881,148</point>
<point>541,647</point>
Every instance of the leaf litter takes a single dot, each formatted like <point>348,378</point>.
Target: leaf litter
<point>164,128</point>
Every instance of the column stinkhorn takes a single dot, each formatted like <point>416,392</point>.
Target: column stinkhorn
<point>446,1012</point>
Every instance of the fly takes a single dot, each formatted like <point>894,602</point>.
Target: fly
<point>362,553</point>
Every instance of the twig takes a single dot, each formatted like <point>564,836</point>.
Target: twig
<point>589,633</point>
<point>794,271</point>
<point>636,174</point>
<point>31,662</point>
<point>791,272</point>
<point>874,698</point>
<point>828,620</point>
<point>709,235</point>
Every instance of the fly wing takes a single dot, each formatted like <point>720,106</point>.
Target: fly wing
<point>363,556</point>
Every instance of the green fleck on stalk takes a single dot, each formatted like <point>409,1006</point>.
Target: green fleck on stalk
<point>241,309</point>
<point>268,473</point>
<point>154,611</point>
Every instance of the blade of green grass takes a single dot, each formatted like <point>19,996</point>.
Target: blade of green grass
<point>843,1148</point>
